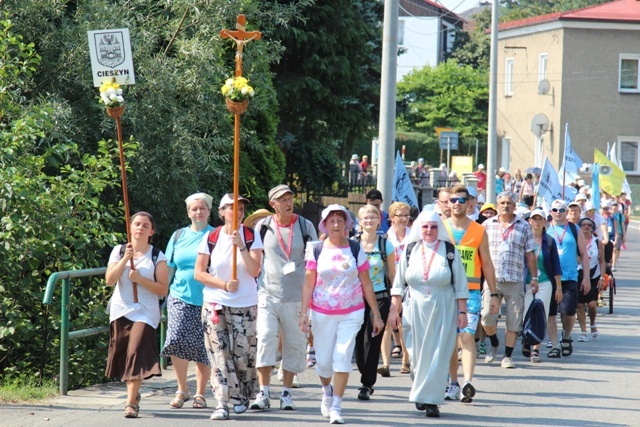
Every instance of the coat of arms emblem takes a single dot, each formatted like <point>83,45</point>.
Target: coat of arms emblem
<point>110,50</point>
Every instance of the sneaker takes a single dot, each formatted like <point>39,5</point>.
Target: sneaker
<point>334,416</point>
<point>261,403</point>
<point>327,401</point>
<point>582,337</point>
<point>220,414</point>
<point>507,363</point>
<point>241,408</point>
<point>613,268</point>
<point>468,391</point>
<point>296,382</point>
<point>549,344</point>
<point>491,354</point>
<point>286,402</point>
<point>365,393</point>
<point>482,348</point>
<point>453,393</point>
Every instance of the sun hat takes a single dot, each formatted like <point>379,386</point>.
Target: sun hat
<point>334,208</point>
<point>354,157</point>
<point>488,206</point>
<point>227,199</point>
<point>259,214</point>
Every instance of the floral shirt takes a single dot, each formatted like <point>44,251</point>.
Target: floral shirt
<point>338,289</point>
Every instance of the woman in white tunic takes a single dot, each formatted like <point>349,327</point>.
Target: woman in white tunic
<point>433,308</point>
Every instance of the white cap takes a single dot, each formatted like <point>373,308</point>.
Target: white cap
<point>480,166</point>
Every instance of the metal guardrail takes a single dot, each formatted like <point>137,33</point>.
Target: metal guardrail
<point>65,334</point>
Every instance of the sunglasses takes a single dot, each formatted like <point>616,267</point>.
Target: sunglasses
<point>461,200</point>
<point>561,210</point>
<point>429,227</point>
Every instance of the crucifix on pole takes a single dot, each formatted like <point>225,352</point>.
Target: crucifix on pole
<point>241,37</point>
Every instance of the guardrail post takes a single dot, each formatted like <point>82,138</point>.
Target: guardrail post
<point>64,337</point>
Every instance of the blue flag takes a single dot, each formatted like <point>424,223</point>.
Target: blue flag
<point>402,188</point>
<point>595,186</point>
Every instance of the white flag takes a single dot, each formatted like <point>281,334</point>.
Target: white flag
<point>550,188</point>
<point>571,163</point>
<point>402,188</point>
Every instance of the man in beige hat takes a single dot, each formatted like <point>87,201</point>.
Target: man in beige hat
<point>284,236</point>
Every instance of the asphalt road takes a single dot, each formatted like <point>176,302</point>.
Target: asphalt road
<point>596,386</point>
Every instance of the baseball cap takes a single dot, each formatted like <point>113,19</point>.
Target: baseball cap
<point>354,157</point>
<point>480,166</point>
<point>559,204</point>
<point>502,169</point>
<point>538,212</point>
<point>374,195</point>
<point>581,196</point>
<point>472,192</point>
<point>278,191</point>
<point>488,206</point>
<point>575,203</point>
<point>589,206</point>
<point>227,199</point>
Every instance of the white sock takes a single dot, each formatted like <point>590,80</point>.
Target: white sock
<point>265,390</point>
<point>285,390</point>
<point>327,390</point>
<point>337,402</point>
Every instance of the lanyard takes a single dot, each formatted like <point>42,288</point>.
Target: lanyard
<point>539,250</point>
<point>425,267</point>
<point>563,232</point>
<point>505,233</point>
<point>286,250</point>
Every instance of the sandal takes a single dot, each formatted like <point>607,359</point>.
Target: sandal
<point>311,358</point>
<point>567,348</point>
<point>554,353</point>
<point>199,402</point>
<point>405,369</point>
<point>594,334</point>
<point>526,349</point>
<point>396,353</point>
<point>178,401</point>
<point>583,337</point>
<point>220,414</point>
<point>131,411</point>
<point>535,356</point>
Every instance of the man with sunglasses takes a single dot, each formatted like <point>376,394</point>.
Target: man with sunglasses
<point>570,250</point>
<point>472,243</point>
<point>511,244</point>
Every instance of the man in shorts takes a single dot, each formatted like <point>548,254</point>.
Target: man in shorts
<point>471,241</point>
<point>510,244</point>
<point>284,236</point>
<point>571,247</point>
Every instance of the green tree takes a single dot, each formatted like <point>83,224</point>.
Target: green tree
<point>448,95</point>
<point>52,219</point>
<point>328,88</point>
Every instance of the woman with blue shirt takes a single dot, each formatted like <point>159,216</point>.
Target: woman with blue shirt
<point>382,273</point>
<point>185,341</point>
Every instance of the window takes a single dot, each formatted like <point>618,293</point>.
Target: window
<point>629,78</point>
<point>506,153</point>
<point>542,67</point>
<point>629,154</point>
<point>400,32</point>
<point>508,77</point>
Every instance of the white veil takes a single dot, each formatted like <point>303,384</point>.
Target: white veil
<point>427,215</point>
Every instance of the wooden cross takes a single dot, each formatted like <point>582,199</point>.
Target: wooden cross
<point>241,37</point>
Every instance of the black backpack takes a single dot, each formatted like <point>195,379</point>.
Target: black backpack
<point>265,226</point>
<point>155,252</point>
<point>535,323</point>
<point>353,245</point>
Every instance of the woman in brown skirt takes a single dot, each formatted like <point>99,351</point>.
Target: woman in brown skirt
<point>133,354</point>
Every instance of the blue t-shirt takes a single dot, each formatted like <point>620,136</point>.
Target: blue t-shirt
<point>567,250</point>
<point>182,257</point>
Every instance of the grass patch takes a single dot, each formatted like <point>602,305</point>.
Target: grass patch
<point>20,390</point>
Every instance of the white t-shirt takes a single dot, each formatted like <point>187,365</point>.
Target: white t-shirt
<point>122,305</point>
<point>220,267</point>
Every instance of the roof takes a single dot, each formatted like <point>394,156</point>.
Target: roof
<point>622,11</point>
<point>427,8</point>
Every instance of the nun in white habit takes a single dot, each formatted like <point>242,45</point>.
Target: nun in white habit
<point>433,308</point>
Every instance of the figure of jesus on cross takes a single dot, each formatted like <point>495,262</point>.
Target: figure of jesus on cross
<point>241,37</point>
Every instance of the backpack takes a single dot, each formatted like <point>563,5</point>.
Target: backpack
<point>353,245</point>
<point>535,323</point>
<point>264,227</point>
<point>574,231</point>
<point>382,246</point>
<point>450,256</point>
<point>155,252</point>
<point>212,240</point>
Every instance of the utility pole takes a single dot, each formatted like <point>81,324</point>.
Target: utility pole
<point>387,124</point>
<point>493,110</point>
